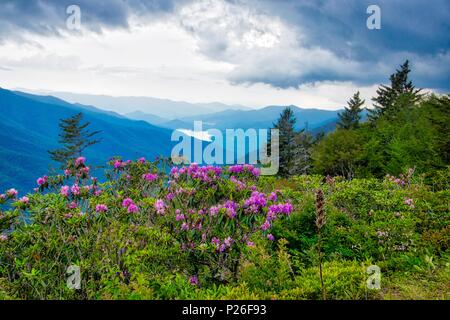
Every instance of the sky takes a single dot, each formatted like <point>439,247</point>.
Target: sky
<point>248,52</point>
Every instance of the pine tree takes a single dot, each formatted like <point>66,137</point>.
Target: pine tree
<point>287,144</point>
<point>400,84</point>
<point>75,137</point>
<point>350,117</point>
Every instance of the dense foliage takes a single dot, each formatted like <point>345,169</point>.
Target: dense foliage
<point>155,232</point>
<point>416,136</point>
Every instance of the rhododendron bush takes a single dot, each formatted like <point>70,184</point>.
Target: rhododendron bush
<point>152,230</point>
<point>213,214</point>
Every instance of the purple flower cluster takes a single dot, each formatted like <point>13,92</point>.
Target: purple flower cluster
<point>24,200</point>
<point>180,217</point>
<point>80,161</point>
<point>65,191</point>
<point>119,164</point>
<point>76,191</point>
<point>402,179</point>
<point>193,280</point>
<point>281,208</point>
<point>130,205</point>
<point>256,201</point>
<point>239,184</point>
<point>221,247</point>
<point>230,207</point>
<point>150,177</point>
<point>203,173</point>
<point>12,193</point>
<point>160,206</point>
<point>245,168</point>
<point>100,208</point>
<point>42,181</point>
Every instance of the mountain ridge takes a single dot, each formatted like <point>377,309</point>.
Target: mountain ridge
<point>29,128</point>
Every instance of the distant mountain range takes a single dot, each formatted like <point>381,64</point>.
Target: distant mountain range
<point>163,108</point>
<point>181,115</point>
<point>29,128</point>
<point>313,120</point>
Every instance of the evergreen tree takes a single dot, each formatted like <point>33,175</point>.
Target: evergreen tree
<point>75,137</point>
<point>350,117</point>
<point>386,95</point>
<point>287,145</point>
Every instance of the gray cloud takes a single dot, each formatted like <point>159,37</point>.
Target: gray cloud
<point>48,17</point>
<point>278,42</point>
<point>324,40</point>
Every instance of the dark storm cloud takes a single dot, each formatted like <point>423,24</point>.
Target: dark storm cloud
<point>332,41</point>
<point>48,17</point>
<point>415,29</point>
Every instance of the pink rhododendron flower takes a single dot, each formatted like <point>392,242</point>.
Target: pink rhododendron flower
<point>257,199</point>
<point>273,196</point>
<point>12,193</point>
<point>193,280</point>
<point>75,189</point>
<point>41,181</point>
<point>184,226</point>
<point>180,217</point>
<point>150,177</point>
<point>80,161</point>
<point>213,211</point>
<point>132,208</point>
<point>215,241</point>
<point>228,241</point>
<point>65,191</point>
<point>141,160</point>
<point>270,237</point>
<point>101,208</point>
<point>3,237</point>
<point>24,200</point>
<point>160,206</point>
<point>170,196</point>
<point>239,184</point>
<point>118,164</point>
<point>244,168</point>
<point>231,207</point>
<point>72,205</point>
<point>127,202</point>
<point>266,225</point>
